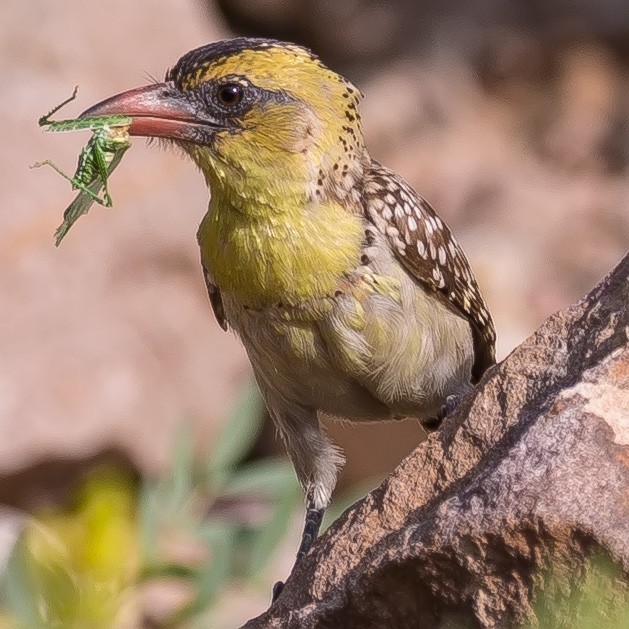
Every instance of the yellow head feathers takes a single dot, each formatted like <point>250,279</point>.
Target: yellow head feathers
<point>292,120</point>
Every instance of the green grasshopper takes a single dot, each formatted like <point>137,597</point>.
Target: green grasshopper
<point>98,159</point>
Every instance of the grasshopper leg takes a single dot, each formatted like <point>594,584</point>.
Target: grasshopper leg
<point>103,172</point>
<point>45,120</point>
<point>77,185</point>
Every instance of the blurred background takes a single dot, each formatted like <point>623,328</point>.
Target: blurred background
<point>141,484</point>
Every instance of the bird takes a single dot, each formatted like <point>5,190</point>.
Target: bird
<point>351,296</point>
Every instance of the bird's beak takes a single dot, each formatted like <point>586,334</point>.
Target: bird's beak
<point>161,111</point>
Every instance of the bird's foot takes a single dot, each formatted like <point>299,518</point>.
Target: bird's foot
<point>451,404</point>
<point>311,530</point>
<point>277,590</point>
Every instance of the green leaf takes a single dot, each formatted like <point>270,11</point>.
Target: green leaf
<point>20,591</point>
<point>181,482</point>
<point>167,570</point>
<point>214,576</point>
<point>271,534</point>
<point>170,502</point>
<point>238,436</point>
<point>148,520</point>
<point>221,538</point>
<point>269,477</point>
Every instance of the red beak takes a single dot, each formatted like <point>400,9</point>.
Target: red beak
<point>160,111</point>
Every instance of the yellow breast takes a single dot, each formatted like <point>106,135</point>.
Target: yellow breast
<point>288,257</point>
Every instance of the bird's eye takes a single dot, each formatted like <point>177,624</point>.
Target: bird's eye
<point>230,94</point>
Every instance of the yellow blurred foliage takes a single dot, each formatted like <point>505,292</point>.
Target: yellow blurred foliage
<point>77,567</point>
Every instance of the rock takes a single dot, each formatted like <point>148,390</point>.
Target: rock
<point>507,514</point>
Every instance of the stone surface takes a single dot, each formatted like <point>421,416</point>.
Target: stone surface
<point>506,503</point>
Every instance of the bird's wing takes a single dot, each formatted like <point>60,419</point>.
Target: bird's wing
<point>430,254</point>
<point>215,299</point>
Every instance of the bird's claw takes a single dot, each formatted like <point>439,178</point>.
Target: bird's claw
<point>450,405</point>
<point>277,590</point>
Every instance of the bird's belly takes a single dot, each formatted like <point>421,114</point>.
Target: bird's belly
<point>292,358</point>
<point>362,355</point>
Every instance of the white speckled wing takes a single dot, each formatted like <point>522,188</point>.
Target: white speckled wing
<point>429,252</point>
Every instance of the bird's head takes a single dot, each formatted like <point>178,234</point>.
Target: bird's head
<point>261,118</point>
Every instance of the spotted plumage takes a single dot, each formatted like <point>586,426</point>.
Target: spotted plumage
<point>427,249</point>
